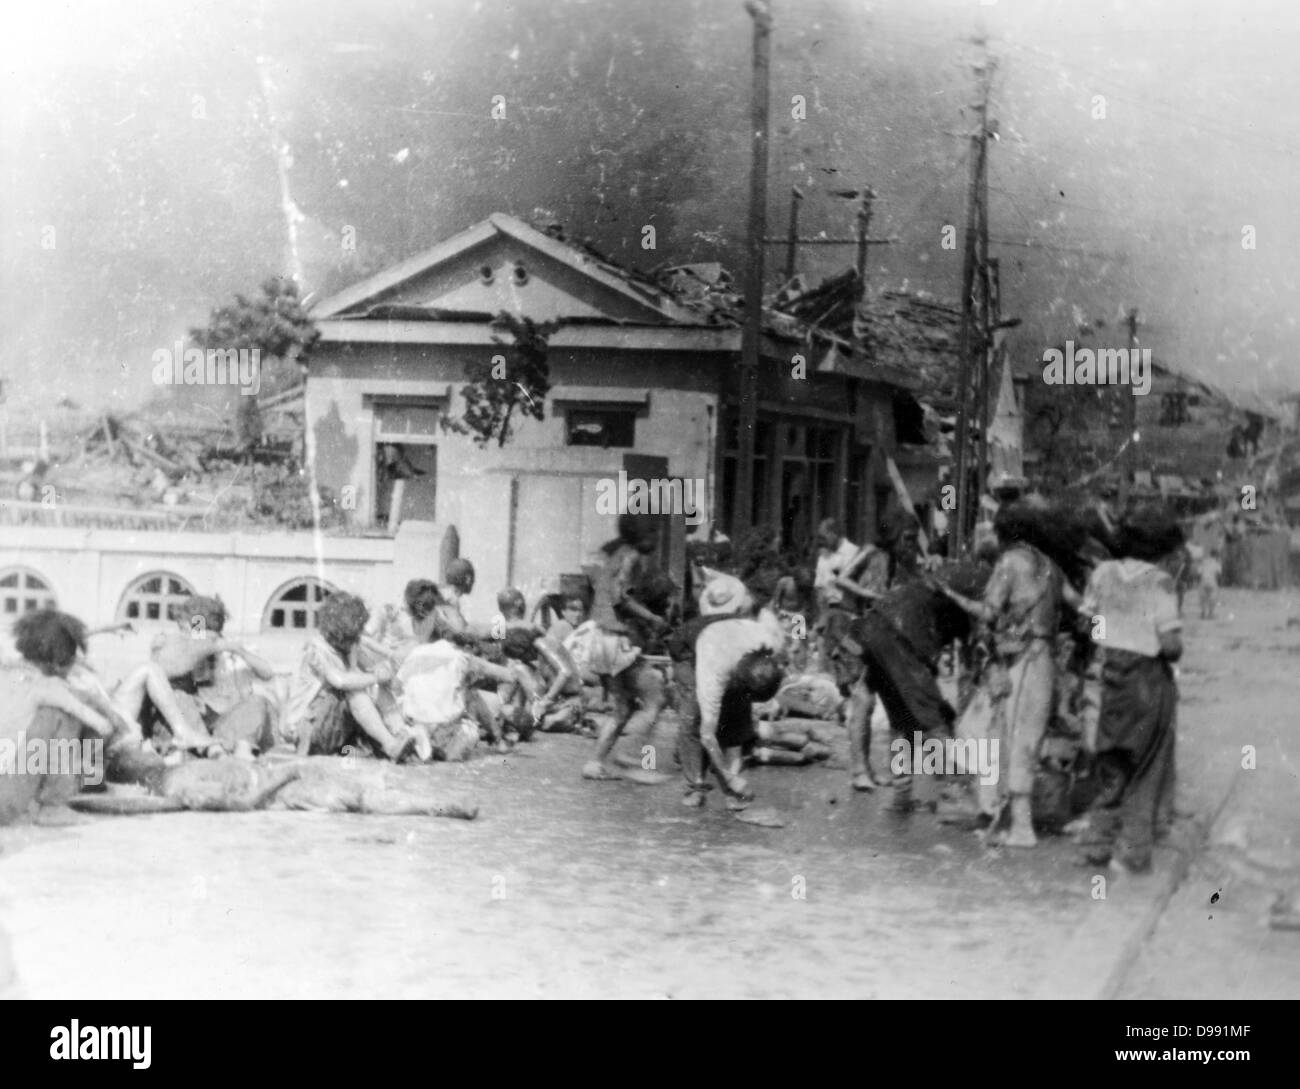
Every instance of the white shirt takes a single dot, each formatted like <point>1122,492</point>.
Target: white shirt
<point>434,677</point>
<point>830,565</point>
<point>718,651</point>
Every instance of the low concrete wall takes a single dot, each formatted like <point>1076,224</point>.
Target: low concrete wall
<point>90,570</point>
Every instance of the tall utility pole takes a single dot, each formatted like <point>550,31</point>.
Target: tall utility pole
<point>864,223</point>
<point>791,255</point>
<point>751,335</point>
<point>1128,466</point>
<point>990,372</point>
<point>976,248</point>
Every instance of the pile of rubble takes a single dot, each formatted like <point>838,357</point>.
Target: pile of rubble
<point>192,468</point>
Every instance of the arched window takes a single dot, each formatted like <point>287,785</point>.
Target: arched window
<point>294,607</point>
<point>157,596</point>
<point>23,591</point>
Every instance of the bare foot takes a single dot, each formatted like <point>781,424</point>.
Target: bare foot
<point>400,748</point>
<point>423,746</point>
<point>645,778</point>
<point>763,818</point>
<point>1017,836</point>
<point>594,769</point>
<point>864,782</point>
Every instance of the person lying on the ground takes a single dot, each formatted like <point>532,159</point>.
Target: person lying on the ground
<point>196,691</point>
<point>792,742</point>
<point>334,703</point>
<point>323,786</point>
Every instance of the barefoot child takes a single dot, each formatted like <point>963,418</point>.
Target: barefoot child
<point>196,692</point>
<point>41,708</point>
<point>543,671</point>
<point>609,643</point>
<point>440,684</point>
<point>333,701</point>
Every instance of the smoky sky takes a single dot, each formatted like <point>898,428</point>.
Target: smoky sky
<point>1139,144</point>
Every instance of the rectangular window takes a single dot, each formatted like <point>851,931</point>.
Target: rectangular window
<point>604,427</point>
<point>404,462</point>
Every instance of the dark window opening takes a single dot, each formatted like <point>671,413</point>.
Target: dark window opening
<point>600,427</point>
<point>909,421</point>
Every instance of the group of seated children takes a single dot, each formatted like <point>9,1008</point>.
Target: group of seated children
<point>420,683</point>
<point>198,691</point>
<point>428,683</point>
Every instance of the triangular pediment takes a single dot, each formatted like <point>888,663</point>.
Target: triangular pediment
<point>504,264</point>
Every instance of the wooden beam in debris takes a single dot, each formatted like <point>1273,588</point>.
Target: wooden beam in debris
<point>149,455</point>
<point>896,478</point>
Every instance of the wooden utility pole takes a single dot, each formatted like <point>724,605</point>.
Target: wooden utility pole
<point>1128,465</point>
<point>976,245</point>
<point>990,372</point>
<point>796,197</point>
<point>864,223</point>
<point>751,335</point>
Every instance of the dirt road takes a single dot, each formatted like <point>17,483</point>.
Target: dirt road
<point>575,889</point>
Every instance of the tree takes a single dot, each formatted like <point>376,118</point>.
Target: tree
<point>505,384</point>
<point>276,325</point>
<point>1076,429</point>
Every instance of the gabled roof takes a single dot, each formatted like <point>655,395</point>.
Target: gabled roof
<point>443,283</point>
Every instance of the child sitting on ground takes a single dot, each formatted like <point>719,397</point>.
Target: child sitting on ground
<point>548,690</point>
<point>436,699</point>
<point>335,703</point>
<point>451,685</point>
<point>40,705</point>
<point>543,671</point>
<point>196,692</point>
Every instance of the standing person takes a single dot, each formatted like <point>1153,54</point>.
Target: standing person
<point>866,579</point>
<point>1022,604</point>
<point>605,644</point>
<point>899,642</point>
<point>1135,615</point>
<point>1208,574</point>
<point>834,554</point>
